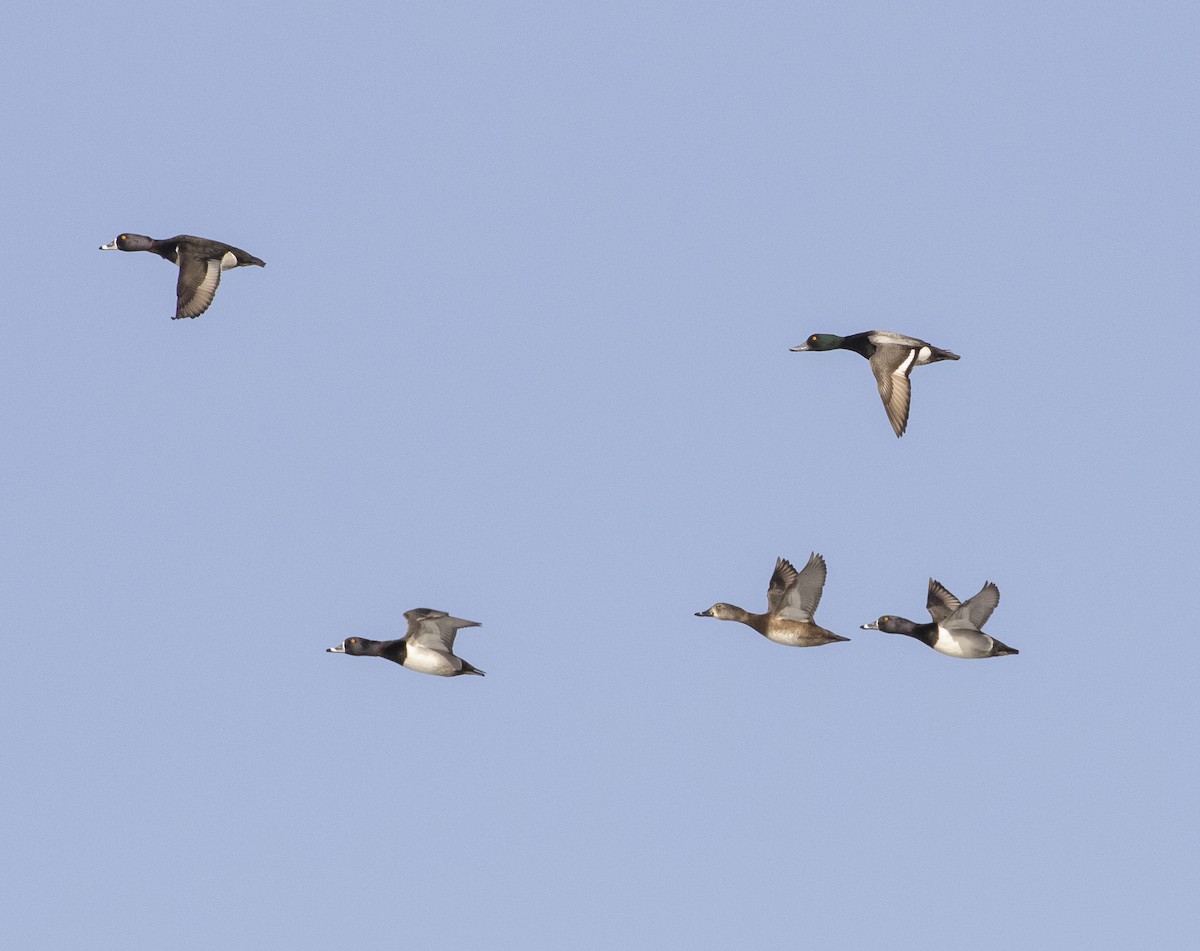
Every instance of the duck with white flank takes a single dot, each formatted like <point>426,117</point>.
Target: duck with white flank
<point>956,629</point>
<point>427,648</point>
<point>892,358</point>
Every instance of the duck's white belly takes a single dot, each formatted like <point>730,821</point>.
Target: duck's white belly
<point>424,660</point>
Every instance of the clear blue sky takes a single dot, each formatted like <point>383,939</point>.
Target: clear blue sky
<point>520,352</point>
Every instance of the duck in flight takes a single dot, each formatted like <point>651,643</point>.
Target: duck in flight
<point>956,629</point>
<point>892,358</point>
<point>427,647</point>
<point>200,261</point>
<point>792,599</point>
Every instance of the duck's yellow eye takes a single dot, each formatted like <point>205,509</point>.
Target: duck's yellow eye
<point>354,640</point>
<point>123,237</point>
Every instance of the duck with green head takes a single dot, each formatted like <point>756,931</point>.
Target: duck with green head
<point>892,358</point>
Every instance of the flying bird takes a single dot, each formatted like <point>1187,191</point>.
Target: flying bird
<point>956,629</point>
<point>792,599</point>
<point>892,358</point>
<point>200,261</point>
<point>427,647</point>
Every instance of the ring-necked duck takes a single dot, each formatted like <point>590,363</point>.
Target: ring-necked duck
<point>200,261</point>
<point>427,648</point>
<point>956,629</point>
<point>792,599</point>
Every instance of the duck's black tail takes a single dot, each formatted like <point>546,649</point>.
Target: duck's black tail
<point>468,669</point>
<point>936,354</point>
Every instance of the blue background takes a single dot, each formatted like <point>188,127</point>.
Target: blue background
<point>520,353</point>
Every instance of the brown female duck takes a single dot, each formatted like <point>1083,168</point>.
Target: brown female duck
<point>792,599</point>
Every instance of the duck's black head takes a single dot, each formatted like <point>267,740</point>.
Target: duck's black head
<point>365,647</point>
<point>820,342</point>
<point>359,646</point>
<point>128,242</point>
<point>890,625</point>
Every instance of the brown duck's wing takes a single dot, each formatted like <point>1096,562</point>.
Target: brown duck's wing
<point>799,600</point>
<point>198,280</point>
<point>781,578</point>
<point>940,603</point>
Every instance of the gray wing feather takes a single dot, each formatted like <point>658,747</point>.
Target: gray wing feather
<point>783,575</point>
<point>197,285</point>
<point>973,613</point>
<point>434,629</point>
<point>891,366</point>
<point>940,603</point>
<point>980,607</point>
<point>799,600</point>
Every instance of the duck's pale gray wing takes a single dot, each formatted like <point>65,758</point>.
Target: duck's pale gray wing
<point>435,629</point>
<point>891,366</point>
<point>980,607</point>
<point>434,633</point>
<point>973,613</point>
<point>801,597</point>
<point>198,280</point>
<point>940,603</point>
<point>781,578</point>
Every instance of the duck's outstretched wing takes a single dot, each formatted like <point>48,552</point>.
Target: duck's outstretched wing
<point>198,280</point>
<point>434,629</point>
<point>980,607</point>
<point>973,613</point>
<point>795,595</point>
<point>783,575</point>
<point>940,603</point>
<point>891,365</point>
